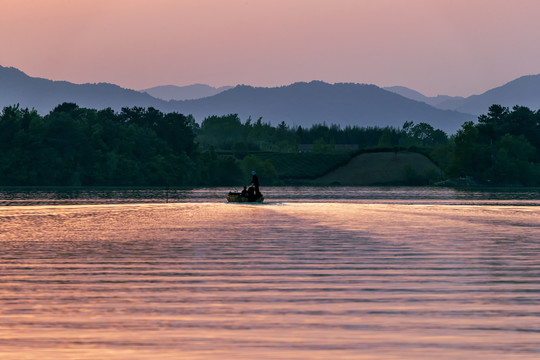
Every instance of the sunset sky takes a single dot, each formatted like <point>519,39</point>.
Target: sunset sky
<point>454,47</point>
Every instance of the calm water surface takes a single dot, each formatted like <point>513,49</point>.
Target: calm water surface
<point>331,273</point>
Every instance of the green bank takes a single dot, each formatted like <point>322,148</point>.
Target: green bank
<point>74,146</point>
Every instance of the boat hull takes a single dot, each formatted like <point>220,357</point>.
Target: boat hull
<point>238,198</point>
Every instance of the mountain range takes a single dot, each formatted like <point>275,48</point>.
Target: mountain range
<point>523,91</point>
<point>44,95</point>
<point>298,104</point>
<point>316,102</point>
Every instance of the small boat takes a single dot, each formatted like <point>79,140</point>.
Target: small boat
<point>237,197</point>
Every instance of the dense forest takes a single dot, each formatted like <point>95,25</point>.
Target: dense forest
<point>502,148</point>
<point>74,146</point>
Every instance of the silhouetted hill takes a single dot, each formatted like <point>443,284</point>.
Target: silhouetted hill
<point>435,101</point>
<point>524,91</point>
<point>44,95</point>
<point>382,168</point>
<point>189,92</point>
<point>306,104</point>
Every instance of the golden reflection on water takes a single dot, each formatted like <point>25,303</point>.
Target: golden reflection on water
<point>278,281</point>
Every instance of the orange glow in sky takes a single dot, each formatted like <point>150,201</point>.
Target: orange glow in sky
<point>454,47</point>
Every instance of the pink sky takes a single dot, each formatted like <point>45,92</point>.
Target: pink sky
<point>454,47</point>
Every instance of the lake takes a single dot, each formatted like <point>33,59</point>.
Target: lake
<point>313,273</point>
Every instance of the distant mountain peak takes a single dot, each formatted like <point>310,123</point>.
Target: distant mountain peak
<point>188,92</point>
<point>442,102</point>
<point>406,92</point>
<point>9,72</point>
<point>16,87</point>
<point>523,91</point>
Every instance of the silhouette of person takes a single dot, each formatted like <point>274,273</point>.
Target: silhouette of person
<point>255,183</point>
<point>244,192</point>
<point>251,194</point>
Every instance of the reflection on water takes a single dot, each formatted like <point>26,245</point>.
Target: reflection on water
<point>79,196</point>
<point>439,277</point>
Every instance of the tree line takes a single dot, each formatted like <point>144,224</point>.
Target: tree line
<point>502,148</point>
<point>74,146</point>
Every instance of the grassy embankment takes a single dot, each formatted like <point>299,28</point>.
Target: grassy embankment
<point>359,168</point>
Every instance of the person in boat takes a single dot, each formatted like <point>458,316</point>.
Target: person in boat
<point>244,192</point>
<point>255,184</point>
<point>251,194</point>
